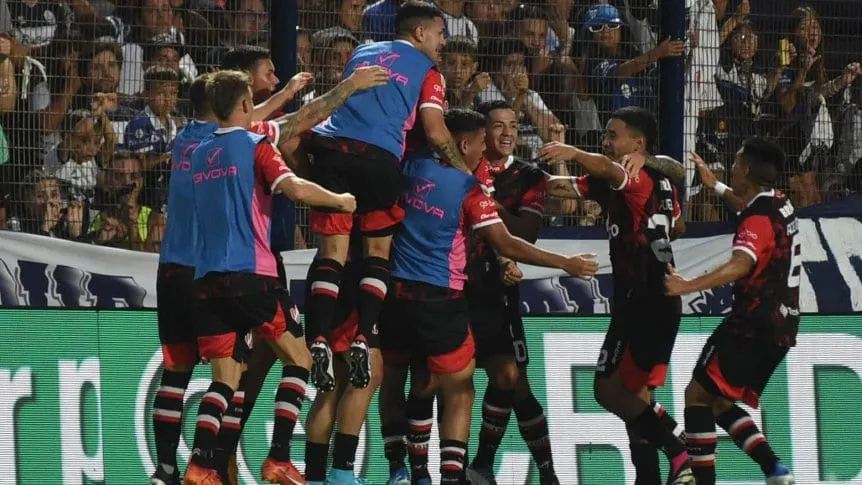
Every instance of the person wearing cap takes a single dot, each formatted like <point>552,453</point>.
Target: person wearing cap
<point>619,76</point>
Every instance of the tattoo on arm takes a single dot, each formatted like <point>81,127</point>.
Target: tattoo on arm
<point>667,166</point>
<point>448,150</point>
<point>559,186</point>
<point>315,111</point>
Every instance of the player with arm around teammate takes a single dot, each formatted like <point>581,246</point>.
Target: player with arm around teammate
<point>426,314</point>
<point>642,211</point>
<point>743,352</point>
<point>234,175</point>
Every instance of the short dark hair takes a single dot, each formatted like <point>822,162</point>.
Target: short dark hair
<point>765,159</point>
<point>198,95</point>
<point>529,12</point>
<point>507,47</point>
<point>461,44</point>
<point>244,57</point>
<point>488,106</point>
<point>224,90</point>
<point>412,13</point>
<point>152,48</point>
<point>461,121</point>
<point>160,74</point>
<point>641,121</point>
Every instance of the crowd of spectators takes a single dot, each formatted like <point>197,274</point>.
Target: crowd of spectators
<point>93,92</point>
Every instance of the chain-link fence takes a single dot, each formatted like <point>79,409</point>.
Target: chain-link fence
<point>92,92</point>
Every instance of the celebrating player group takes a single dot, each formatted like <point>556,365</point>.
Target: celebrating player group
<point>423,214</point>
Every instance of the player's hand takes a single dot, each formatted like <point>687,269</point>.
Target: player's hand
<point>706,175</point>
<point>557,152</point>
<point>481,82</point>
<point>510,273</point>
<point>346,202</point>
<point>583,266</point>
<point>299,82</point>
<point>674,284</point>
<point>633,163</point>
<point>369,77</point>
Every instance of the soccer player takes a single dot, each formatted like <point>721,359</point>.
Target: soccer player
<point>358,149</point>
<point>347,406</point>
<point>176,272</point>
<point>749,344</point>
<point>234,174</point>
<point>519,190</point>
<point>426,315</point>
<point>642,214</point>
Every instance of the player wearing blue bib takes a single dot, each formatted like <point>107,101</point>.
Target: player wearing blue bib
<point>234,175</point>
<point>358,150</point>
<point>426,315</point>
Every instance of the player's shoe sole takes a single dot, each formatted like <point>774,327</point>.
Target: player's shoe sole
<point>283,473</point>
<point>683,477</point>
<point>198,475</point>
<point>322,374</point>
<point>359,364</point>
<point>480,476</point>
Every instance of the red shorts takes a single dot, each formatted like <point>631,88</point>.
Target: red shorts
<point>175,298</point>
<point>344,335</point>
<point>640,340</point>
<point>421,321</point>
<point>375,222</point>
<point>737,367</point>
<point>226,323</point>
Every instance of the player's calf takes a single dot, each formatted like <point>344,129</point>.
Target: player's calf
<point>533,427</point>
<point>167,422</point>
<point>373,286</point>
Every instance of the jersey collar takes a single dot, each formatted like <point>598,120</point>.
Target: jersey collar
<point>768,193</point>
<point>222,131</point>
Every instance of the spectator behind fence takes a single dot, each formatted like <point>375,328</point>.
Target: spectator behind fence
<point>490,19</point>
<point>458,65</point>
<point>155,128</point>
<point>153,20</point>
<point>245,23</point>
<point>803,90</point>
<point>378,20</point>
<point>455,20</point>
<point>330,50</point>
<point>42,209</point>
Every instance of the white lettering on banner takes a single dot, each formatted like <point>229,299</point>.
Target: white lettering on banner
<point>844,243</point>
<point>74,380</point>
<point>569,429</point>
<point>812,252</point>
<point>13,389</point>
<point>802,363</point>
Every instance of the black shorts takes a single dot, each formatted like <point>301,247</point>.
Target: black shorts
<point>497,325</point>
<point>737,367</point>
<point>640,340</point>
<point>422,321</point>
<point>231,306</point>
<point>370,173</point>
<point>176,300</point>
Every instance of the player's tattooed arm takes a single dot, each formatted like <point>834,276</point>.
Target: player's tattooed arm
<point>667,166</point>
<point>321,107</point>
<point>562,187</point>
<point>448,151</point>
<point>439,136</point>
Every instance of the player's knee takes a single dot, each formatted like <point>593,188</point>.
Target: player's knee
<point>721,406</point>
<point>505,377</point>
<point>696,395</point>
<point>423,385</point>
<point>378,247</point>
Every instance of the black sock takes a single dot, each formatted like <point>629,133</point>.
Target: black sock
<point>701,441</point>
<point>648,426</point>
<point>420,418</point>
<point>315,461</point>
<point>394,447</point>
<point>534,429</point>
<point>748,437</point>
<point>324,280</point>
<point>373,286</point>
<point>212,408</point>
<point>288,402</point>
<point>666,419</point>
<point>453,453</point>
<point>645,460</point>
<point>345,451</point>
<point>167,417</point>
<point>496,408</point>
<point>231,429</point>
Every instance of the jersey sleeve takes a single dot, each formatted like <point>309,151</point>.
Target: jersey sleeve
<point>269,129</point>
<point>533,200</point>
<point>433,91</point>
<point>479,209</point>
<point>755,237</point>
<point>269,166</point>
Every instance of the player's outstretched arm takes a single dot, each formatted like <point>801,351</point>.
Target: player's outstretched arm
<point>301,190</point>
<point>739,265</point>
<point>562,186</point>
<point>515,248</point>
<point>712,183</point>
<point>663,164</point>
<point>441,138</point>
<point>595,164</point>
<point>275,102</point>
<point>321,107</point>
